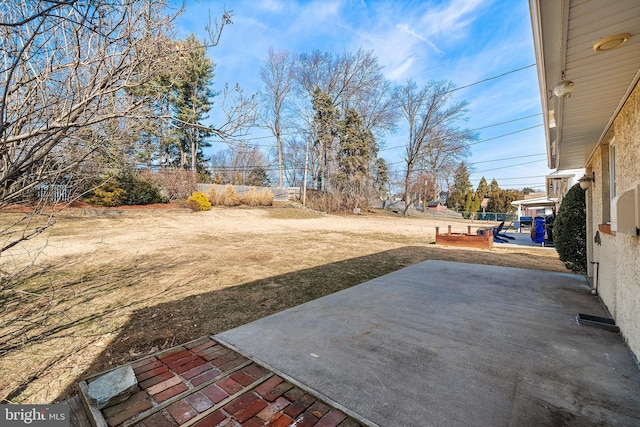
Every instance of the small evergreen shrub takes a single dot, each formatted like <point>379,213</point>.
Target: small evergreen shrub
<point>201,200</point>
<point>126,188</point>
<point>229,197</point>
<point>570,230</point>
<point>139,190</point>
<point>109,194</point>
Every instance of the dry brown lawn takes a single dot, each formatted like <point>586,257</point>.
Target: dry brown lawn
<point>110,288</point>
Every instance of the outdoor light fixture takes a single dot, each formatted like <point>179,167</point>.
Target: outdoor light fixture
<point>611,42</point>
<point>564,88</point>
<point>585,181</point>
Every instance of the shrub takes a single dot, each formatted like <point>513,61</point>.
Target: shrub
<point>570,230</point>
<point>250,198</point>
<point>138,189</point>
<point>201,200</point>
<point>126,188</point>
<point>176,183</point>
<point>266,197</point>
<point>193,205</point>
<point>229,197</point>
<point>109,194</point>
<point>212,195</point>
<point>253,197</point>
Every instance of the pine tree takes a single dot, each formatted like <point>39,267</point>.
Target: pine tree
<point>192,101</point>
<point>258,177</point>
<point>356,152</point>
<point>325,126</point>
<point>461,185</point>
<point>483,189</point>
<point>380,176</point>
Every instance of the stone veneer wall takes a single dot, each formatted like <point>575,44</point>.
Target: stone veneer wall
<point>618,278</point>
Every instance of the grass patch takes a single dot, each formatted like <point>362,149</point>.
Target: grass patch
<point>292,213</point>
<point>111,289</point>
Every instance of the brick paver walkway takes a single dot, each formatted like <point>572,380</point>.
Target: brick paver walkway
<point>203,383</point>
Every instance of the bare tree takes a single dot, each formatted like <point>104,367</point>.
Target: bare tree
<point>66,70</point>
<point>277,73</point>
<point>351,80</point>
<point>445,148</point>
<point>431,118</point>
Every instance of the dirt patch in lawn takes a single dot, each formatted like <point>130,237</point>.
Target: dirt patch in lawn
<point>110,288</point>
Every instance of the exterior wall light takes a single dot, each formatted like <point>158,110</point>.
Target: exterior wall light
<point>563,88</point>
<point>585,181</point>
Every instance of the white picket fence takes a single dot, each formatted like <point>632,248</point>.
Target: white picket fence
<point>54,193</point>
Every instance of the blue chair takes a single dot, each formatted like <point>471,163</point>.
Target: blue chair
<point>499,236</point>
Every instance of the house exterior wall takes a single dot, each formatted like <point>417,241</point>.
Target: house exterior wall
<point>617,274</point>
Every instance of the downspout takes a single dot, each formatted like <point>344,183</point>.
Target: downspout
<point>594,291</point>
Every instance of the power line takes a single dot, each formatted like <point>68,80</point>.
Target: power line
<point>452,90</point>
<point>483,127</point>
<point>492,78</point>
<point>508,158</point>
<point>510,166</point>
<point>506,134</point>
<point>508,121</point>
<point>520,177</point>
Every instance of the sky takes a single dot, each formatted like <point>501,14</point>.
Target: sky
<point>482,43</point>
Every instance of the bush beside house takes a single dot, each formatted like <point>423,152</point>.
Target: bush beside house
<point>570,230</point>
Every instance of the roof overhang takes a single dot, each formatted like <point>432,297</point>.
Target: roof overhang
<point>537,202</point>
<point>564,35</point>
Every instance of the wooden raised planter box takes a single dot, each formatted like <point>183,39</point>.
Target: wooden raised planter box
<point>481,241</point>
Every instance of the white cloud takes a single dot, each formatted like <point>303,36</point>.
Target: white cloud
<point>271,5</point>
<point>316,16</point>
<point>451,19</point>
<point>401,71</point>
<point>405,28</point>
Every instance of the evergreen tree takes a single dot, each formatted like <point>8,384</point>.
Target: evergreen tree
<point>325,127</point>
<point>258,177</point>
<point>380,176</point>
<point>191,101</point>
<point>500,201</point>
<point>356,153</point>
<point>483,189</point>
<point>476,205</point>
<point>461,186</point>
<point>494,187</point>
<point>468,203</point>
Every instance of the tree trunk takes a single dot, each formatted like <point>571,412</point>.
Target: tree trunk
<point>407,191</point>
<point>280,161</point>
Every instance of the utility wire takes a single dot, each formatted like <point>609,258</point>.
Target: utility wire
<point>510,166</point>
<point>508,121</point>
<point>492,78</point>
<point>508,158</point>
<point>506,134</point>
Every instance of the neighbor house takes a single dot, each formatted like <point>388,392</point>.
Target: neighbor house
<point>588,61</point>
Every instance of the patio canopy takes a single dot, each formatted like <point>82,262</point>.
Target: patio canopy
<point>536,203</point>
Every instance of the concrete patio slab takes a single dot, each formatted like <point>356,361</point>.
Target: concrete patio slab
<point>442,343</point>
